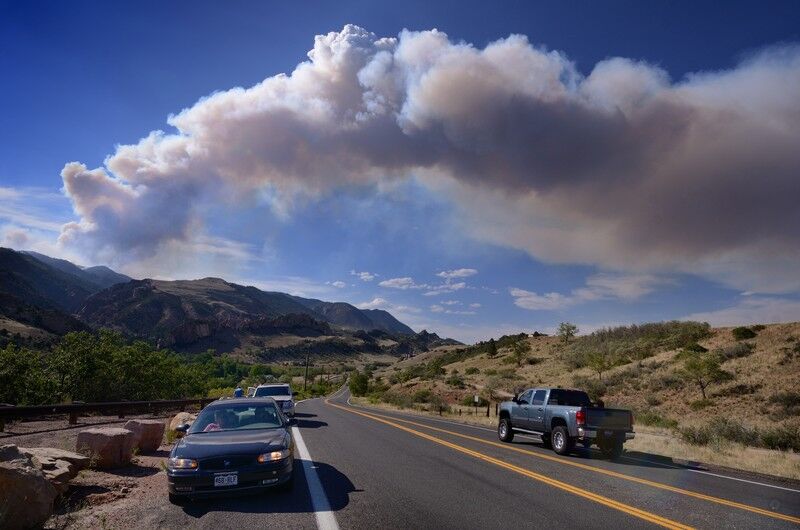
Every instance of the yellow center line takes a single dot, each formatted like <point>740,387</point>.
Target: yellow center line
<point>659,485</point>
<point>636,512</point>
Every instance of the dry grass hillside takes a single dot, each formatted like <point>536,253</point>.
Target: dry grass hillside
<point>758,387</point>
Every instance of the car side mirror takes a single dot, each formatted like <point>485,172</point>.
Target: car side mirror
<point>515,399</point>
<point>183,428</point>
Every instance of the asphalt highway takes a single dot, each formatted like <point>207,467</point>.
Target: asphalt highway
<point>369,468</point>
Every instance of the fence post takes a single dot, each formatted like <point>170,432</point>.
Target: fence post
<point>2,424</point>
<point>495,408</point>
<point>73,417</point>
<point>487,408</point>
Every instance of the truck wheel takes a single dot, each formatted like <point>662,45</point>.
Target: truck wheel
<point>611,449</point>
<point>561,440</point>
<point>504,431</point>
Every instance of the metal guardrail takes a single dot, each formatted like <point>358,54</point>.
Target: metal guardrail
<point>73,410</point>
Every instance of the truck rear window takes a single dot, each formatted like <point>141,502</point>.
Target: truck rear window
<point>570,398</point>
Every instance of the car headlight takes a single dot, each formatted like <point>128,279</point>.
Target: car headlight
<point>273,456</point>
<point>182,463</point>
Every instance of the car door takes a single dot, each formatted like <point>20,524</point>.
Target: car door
<point>521,410</point>
<point>536,415</point>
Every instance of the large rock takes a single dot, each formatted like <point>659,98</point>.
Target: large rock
<point>57,465</point>
<point>148,433</point>
<point>26,496</point>
<point>108,447</point>
<point>179,419</point>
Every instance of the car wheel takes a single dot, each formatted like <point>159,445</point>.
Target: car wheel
<point>561,440</point>
<point>504,431</point>
<point>177,500</point>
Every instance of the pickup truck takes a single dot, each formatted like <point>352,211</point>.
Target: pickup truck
<point>563,417</point>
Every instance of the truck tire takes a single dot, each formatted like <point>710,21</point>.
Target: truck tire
<point>504,431</point>
<point>561,440</point>
<point>611,449</point>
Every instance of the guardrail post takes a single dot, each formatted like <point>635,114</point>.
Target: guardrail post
<point>2,424</point>
<point>73,417</point>
<point>121,413</point>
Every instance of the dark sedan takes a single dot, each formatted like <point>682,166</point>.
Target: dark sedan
<point>234,445</point>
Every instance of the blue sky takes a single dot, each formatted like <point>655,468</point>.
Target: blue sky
<point>532,243</point>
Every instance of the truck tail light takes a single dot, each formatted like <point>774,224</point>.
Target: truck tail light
<point>580,417</point>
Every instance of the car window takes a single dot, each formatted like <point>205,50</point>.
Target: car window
<point>237,417</point>
<point>272,391</point>
<point>525,398</point>
<point>570,398</point>
<point>538,397</point>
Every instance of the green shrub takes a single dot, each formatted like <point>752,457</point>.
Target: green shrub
<point>472,370</point>
<point>782,437</point>
<point>654,419</point>
<point>469,401</point>
<point>653,401</point>
<point>700,404</point>
<point>695,435</point>
<point>741,389</point>
<point>743,333</point>
<point>740,349</point>
<point>359,384</point>
<point>758,327</point>
<point>789,402</point>
<point>594,387</point>
<point>533,360</point>
<point>666,381</point>
<point>490,371</point>
<point>695,347</point>
<point>421,396</point>
<point>455,381</point>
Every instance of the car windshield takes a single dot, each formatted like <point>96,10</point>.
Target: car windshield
<point>282,390</point>
<point>235,417</point>
<point>570,398</point>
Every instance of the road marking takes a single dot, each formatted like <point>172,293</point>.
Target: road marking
<point>636,512</point>
<point>322,508</point>
<point>534,438</point>
<point>610,473</point>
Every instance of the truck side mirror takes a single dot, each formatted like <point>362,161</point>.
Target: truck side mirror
<point>183,428</point>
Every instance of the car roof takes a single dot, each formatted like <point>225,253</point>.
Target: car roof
<point>241,401</point>
<point>272,384</point>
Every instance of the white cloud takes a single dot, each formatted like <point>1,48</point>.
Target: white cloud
<point>339,284</point>
<point>364,276</point>
<point>437,308</point>
<point>623,168</point>
<point>457,273</point>
<point>602,286</point>
<point>450,302</point>
<point>436,290</point>
<point>752,310</point>
<point>402,283</point>
<point>398,310</point>
<point>475,305</point>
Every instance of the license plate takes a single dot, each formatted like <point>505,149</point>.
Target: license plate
<point>228,479</point>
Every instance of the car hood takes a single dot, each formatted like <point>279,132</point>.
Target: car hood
<point>210,444</point>
<point>281,398</point>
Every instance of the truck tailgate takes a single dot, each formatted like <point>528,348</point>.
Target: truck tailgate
<point>616,419</point>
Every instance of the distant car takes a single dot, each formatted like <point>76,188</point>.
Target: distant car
<point>562,417</point>
<point>234,445</point>
<point>281,393</point>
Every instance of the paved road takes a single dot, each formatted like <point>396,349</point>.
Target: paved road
<point>375,469</point>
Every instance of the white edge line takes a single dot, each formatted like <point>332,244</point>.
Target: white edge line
<point>625,457</point>
<point>322,508</point>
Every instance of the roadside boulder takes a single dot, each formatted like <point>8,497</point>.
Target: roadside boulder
<point>57,465</point>
<point>179,419</point>
<point>108,447</point>
<point>26,496</point>
<point>148,434</point>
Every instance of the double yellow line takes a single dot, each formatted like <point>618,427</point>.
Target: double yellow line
<point>605,501</point>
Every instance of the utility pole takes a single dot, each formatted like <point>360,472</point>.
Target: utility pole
<point>305,378</point>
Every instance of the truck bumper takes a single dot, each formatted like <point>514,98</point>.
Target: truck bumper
<point>592,434</point>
